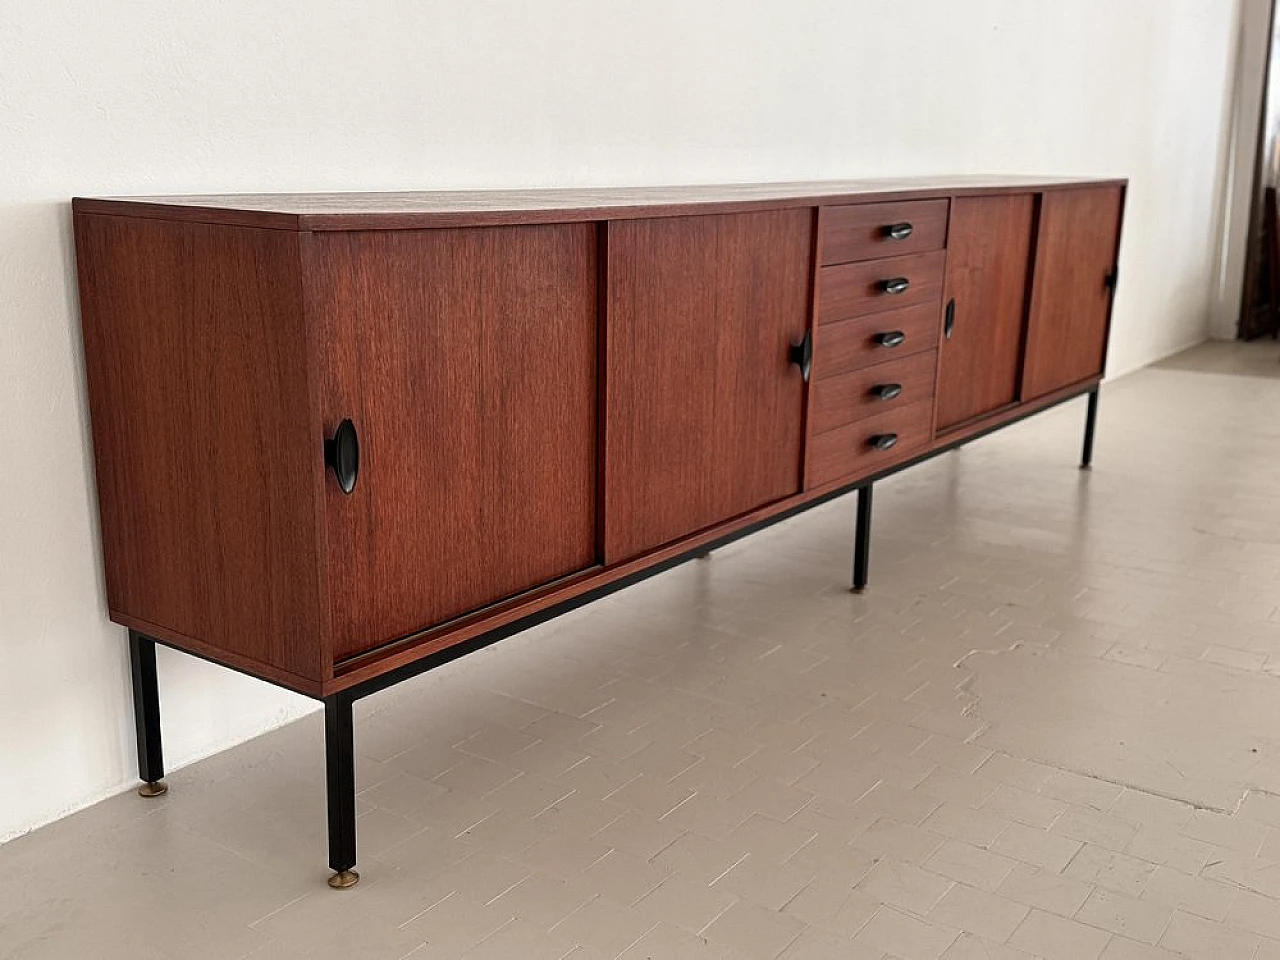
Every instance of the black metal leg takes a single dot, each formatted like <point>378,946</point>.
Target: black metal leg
<point>146,714</point>
<point>862,540</point>
<point>1090,422</point>
<point>339,744</point>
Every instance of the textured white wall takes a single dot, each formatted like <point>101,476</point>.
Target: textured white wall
<point>133,97</point>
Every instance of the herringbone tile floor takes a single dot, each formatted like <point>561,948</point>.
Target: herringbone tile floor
<point>1051,729</point>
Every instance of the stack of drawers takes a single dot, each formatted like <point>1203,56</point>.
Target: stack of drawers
<point>875,353</point>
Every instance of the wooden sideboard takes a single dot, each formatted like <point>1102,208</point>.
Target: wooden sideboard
<point>341,439</point>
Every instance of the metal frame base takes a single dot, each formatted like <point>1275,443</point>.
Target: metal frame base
<point>340,778</point>
<point>344,879</point>
<point>862,540</point>
<point>1090,424</point>
<point>339,728</point>
<point>146,714</point>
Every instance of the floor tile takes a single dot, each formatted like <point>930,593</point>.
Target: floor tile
<point>984,914</point>
<point>1055,938</point>
<point>1047,730</point>
<point>754,931</point>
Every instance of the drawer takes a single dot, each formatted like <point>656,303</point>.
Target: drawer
<point>854,289</point>
<point>852,396</point>
<point>847,452</point>
<point>867,231</point>
<point>852,344</point>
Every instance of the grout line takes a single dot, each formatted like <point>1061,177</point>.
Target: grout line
<point>727,871</point>
<point>508,890</point>
<point>580,907</point>
<point>489,936</point>
<point>621,786</point>
<point>484,819</point>
<point>636,940</point>
<point>553,803</point>
<point>695,760</point>
<point>678,806</point>
<point>610,823</point>
<point>268,916</point>
<point>715,918</point>
<point>428,909</point>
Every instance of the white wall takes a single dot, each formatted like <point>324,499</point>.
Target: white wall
<point>132,97</point>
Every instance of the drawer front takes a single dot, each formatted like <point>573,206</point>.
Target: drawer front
<point>853,344</point>
<point>868,231</point>
<point>848,452</point>
<point>872,391</point>
<point>855,289</point>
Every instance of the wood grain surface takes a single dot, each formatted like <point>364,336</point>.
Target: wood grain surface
<point>704,408</point>
<point>850,344</point>
<point>845,453</point>
<point>859,231</point>
<point>543,408</point>
<point>1076,247</point>
<point>467,361</point>
<point>208,476</point>
<point>429,642</point>
<point>847,397</point>
<point>457,208</point>
<point>988,263</point>
<point>857,289</point>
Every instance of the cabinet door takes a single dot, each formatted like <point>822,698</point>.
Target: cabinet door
<point>1076,247</point>
<point>704,408</point>
<point>467,361</point>
<point>988,256</point>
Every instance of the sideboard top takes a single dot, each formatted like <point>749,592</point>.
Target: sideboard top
<point>453,208</point>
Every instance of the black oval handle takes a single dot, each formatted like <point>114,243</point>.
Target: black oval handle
<point>898,231</point>
<point>949,325</point>
<point>895,285</point>
<point>342,455</point>
<point>891,338</point>
<point>884,441</point>
<point>801,354</point>
<point>887,391</point>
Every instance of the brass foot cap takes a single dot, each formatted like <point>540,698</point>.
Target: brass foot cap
<point>857,589</point>
<point>156,788</point>
<point>343,879</point>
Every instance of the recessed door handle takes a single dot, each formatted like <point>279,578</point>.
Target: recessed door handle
<point>891,338</point>
<point>884,441</point>
<point>949,325</point>
<point>801,354</point>
<point>898,231</point>
<point>342,455</point>
<point>887,391</point>
<point>896,285</point>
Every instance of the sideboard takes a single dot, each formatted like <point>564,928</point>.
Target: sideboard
<point>342,439</point>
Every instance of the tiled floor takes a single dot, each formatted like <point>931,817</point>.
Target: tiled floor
<point>1051,729</point>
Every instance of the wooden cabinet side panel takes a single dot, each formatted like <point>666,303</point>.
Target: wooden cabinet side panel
<point>467,361</point>
<point>1076,247</point>
<point>705,412</point>
<point>207,472</point>
<point>988,261</point>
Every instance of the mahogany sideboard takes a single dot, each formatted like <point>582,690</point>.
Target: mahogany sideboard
<point>342,439</point>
